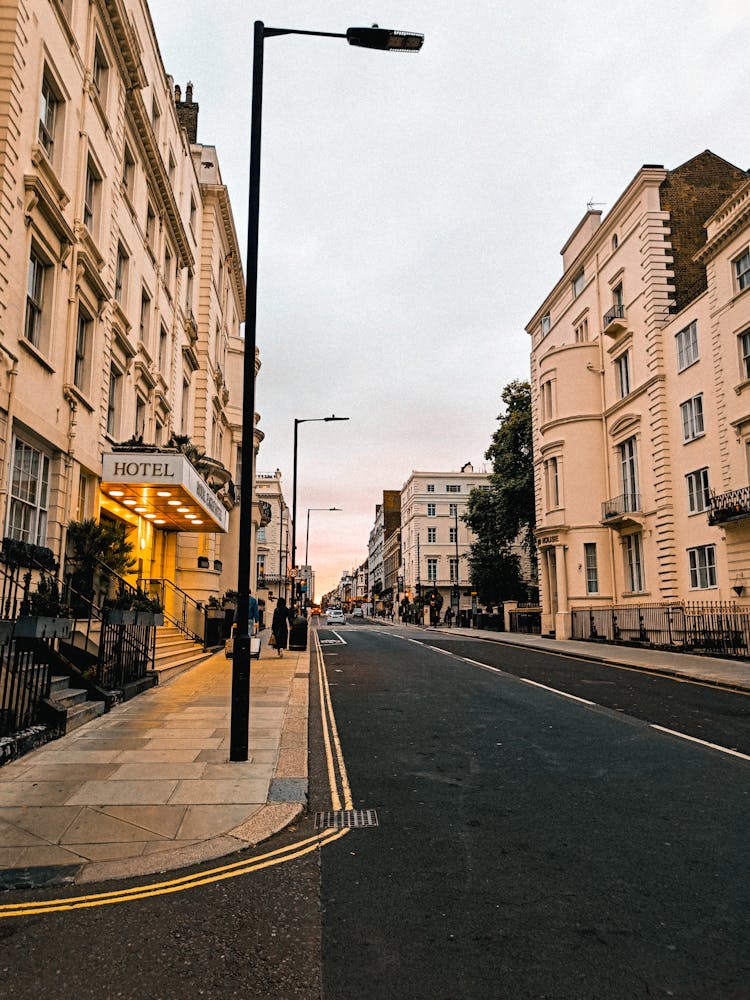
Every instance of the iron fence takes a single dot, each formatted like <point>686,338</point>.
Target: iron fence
<point>126,653</point>
<point>25,678</point>
<point>720,628</point>
<point>527,621</point>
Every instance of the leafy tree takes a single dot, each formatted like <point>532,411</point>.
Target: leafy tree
<point>505,513</point>
<point>91,542</point>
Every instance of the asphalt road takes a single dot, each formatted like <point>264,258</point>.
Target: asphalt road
<point>528,846</point>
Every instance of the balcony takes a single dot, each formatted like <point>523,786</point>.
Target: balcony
<point>732,506</point>
<point>614,321</point>
<point>617,512</point>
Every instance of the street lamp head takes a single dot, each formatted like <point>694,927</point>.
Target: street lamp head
<point>385,39</point>
<point>334,417</point>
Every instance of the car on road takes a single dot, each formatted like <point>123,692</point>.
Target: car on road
<point>335,616</point>
<point>358,613</point>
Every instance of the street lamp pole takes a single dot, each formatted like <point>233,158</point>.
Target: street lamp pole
<point>373,38</point>
<point>456,581</point>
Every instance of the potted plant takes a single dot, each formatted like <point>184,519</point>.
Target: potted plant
<point>93,548</point>
<point>46,615</point>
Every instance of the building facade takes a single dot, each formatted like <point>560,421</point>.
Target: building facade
<point>435,542</point>
<point>273,558</point>
<point>387,521</point>
<point>639,397</point>
<point>121,297</point>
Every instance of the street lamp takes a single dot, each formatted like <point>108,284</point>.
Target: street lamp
<point>374,38</point>
<point>457,587</point>
<point>297,422</point>
<point>307,541</point>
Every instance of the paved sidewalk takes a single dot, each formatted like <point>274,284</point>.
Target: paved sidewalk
<point>709,669</point>
<point>149,786</point>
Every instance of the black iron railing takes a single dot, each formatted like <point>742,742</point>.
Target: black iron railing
<point>720,628</point>
<point>626,503</point>
<point>179,608</point>
<point>527,621</point>
<point>616,312</point>
<point>126,653</point>
<point>731,506</point>
<point>25,678</point>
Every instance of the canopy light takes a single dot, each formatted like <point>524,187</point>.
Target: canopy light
<point>385,38</point>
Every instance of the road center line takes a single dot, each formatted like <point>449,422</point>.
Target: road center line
<point>563,694</point>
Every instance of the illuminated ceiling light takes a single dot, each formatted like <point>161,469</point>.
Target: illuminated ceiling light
<point>117,493</point>
<point>182,510</point>
<point>190,517</point>
<point>140,510</point>
<point>163,493</point>
<point>174,503</point>
<point>159,521</point>
<point>149,515</point>
<point>196,521</point>
<point>130,503</point>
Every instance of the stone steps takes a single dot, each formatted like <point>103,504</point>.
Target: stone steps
<point>74,703</point>
<point>175,653</point>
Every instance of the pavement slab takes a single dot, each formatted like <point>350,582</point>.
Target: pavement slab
<point>113,793</point>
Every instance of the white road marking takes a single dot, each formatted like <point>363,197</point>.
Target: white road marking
<point>563,694</point>
<point>705,743</point>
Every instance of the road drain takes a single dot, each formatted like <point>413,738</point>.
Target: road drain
<point>340,818</point>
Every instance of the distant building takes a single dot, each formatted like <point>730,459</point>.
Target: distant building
<point>435,542</point>
<point>387,521</point>
<point>273,537</point>
<point>640,368</point>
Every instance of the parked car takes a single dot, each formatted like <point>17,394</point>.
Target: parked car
<point>335,616</point>
<point>358,613</point>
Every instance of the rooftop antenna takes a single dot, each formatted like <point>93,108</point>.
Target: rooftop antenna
<point>591,205</point>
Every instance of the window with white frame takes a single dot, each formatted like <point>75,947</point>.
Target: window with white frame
<point>742,270</point>
<point>699,494</point>
<point>128,171</point>
<point>622,374</point>
<point>430,487</point>
<point>83,351</point>
<point>629,474</point>
<point>453,488</point>
<point>50,106</point>
<point>431,510</point>
<point>634,562</point>
<point>92,197</point>
<point>86,491</point>
<point>592,570</point>
<point>114,402</point>
<point>150,228</point>
<point>581,331</point>
<point>432,565</point>
<point>578,282</point>
<point>29,494</point>
<point>745,353</point>
<point>452,509</point>
<point>546,324</point>
<point>547,394</point>
<point>140,415</point>
<point>692,418</point>
<point>121,273</point>
<point>552,478</point>
<point>168,269</point>
<point>163,352</point>
<point>185,405</point>
<point>702,567</point>
<point>452,536</point>
<point>144,322</point>
<point>432,534</point>
<point>453,569</point>
<point>100,73</point>
<point>38,280</point>
<point>687,346</point>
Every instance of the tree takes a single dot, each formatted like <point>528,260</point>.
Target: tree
<point>504,514</point>
<point>93,542</point>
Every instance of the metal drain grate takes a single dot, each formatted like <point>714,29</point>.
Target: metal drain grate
<point>340,818</point>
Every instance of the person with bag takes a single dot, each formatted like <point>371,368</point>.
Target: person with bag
<point>279,626</point>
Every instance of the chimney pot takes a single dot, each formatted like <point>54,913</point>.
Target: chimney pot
<point>189,93</point>
<point>177,93</point>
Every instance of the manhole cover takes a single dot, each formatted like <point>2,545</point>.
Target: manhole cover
<point>340,818</point>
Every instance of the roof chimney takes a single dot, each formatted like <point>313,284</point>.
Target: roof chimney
<point>187,112</point>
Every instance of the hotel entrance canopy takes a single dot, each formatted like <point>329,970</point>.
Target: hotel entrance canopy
<point>164,488</point>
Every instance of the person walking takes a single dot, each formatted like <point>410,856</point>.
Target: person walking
<point>280,625</point>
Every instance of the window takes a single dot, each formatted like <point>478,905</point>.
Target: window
<point>193,214</point>
<point>578,283</point>
<point>150,227</point>
<point>82,360</point>
<point>745,353</point>
<point>128,171</point>
<point>742,270</point>
<point>553,482</point>
<point>634,561</point>
<point>92,197</point>
<point>432,534</point>
<point>452,535</point>
<point>171,168</point>
<point>155,117</point>
<point>547,393</point>
<point>158,432</point>
<point>452,509</point>
<point>168,267</point>
<point>582,332</point>
<point>431,510</point>
<point>699,497</point>
<point>163,352</point>
<point>140,416</point>
<point>121,273</point>
<point>86,490</point>
<point>37,282</point>
<point>622,373</point>
<point>453,488</point>
<point>49,106</point>
<point>100,72</point>
<point>261,534</point>
<point>453,569</point>
<point>702,567</point>
<point>592,572</point>
<point>618,299</point>
<point>692,418</point>
<point>29,490</point>
<point>144,322</point>
<point>189,291</point>
<point>185,408</point>
<point>114,397</point>
<point>629,475</point>
<point>546,324</point>
<point>615,241</point>
<point>430,487</point>
<point>687,346</point>
<point>432,570</point>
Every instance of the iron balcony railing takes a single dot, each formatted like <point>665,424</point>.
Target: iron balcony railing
<point>731,506</point>
<point>616,312</point>
<point>626,503</point>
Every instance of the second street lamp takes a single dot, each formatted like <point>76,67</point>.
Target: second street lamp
<point>374,38</point>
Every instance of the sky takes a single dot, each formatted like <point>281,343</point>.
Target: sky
<point>413,206</point>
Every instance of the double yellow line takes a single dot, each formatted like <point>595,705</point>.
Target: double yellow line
<point>336,775</point>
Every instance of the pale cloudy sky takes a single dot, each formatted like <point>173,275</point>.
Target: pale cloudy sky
<point>413,206</point>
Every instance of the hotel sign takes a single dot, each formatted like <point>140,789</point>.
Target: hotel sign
<point>160,484</point>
